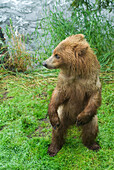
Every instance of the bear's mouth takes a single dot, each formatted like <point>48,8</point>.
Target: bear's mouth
<point>48,66</point>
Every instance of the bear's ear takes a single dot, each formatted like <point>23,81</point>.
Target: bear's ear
<point>79,36</point>
<point>83,49</point>
<point>74,39</point>
<point>80,49</point>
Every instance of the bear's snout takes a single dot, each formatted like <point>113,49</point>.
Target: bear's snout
<point>44,64</point>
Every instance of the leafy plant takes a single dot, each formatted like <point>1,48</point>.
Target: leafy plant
<point>100,4</point>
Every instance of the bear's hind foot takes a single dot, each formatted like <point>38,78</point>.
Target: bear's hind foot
<point>94,147</point>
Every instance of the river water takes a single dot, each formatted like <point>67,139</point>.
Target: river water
<point>25,13</point>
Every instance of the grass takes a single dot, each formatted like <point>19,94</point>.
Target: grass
<point>25,131</point>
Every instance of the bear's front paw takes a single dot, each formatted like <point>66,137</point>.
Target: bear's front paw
<point>83,119</point>
<point>55,122</point>
<point>53,149</point>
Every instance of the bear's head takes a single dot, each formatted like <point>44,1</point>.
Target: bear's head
<point>72,54</point>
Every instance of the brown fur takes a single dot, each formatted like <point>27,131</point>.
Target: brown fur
<point>77,95</point>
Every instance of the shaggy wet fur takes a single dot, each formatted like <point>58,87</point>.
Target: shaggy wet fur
<point>77,95</point>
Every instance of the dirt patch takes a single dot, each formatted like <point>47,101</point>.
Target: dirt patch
<point>42,130</point>
<point>4,96</point>
<point>1,127</point>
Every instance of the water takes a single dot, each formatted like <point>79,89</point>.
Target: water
<point>25,14</point>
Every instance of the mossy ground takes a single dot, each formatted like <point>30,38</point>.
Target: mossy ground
<point>25,131</point>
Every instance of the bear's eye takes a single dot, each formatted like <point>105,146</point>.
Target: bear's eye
<point>57,56</point>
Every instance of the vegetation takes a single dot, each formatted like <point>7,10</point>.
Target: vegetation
<point>99,4</point>
<point>25,131</point>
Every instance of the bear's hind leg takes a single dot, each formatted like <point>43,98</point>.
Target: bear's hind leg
<point>57,140</point>
<point>89,134</point>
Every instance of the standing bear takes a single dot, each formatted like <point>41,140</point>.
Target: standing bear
<point>77,95</point>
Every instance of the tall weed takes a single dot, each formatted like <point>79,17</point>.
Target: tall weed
<point>19,59</point>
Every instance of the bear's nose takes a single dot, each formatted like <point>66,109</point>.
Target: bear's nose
<point>44,64</point>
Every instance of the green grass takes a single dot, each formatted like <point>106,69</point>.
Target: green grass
<point>25,131</point>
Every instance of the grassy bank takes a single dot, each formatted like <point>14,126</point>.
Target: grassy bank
<point>25,131</point>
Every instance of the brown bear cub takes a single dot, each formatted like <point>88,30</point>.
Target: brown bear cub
<point>77,95</point>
